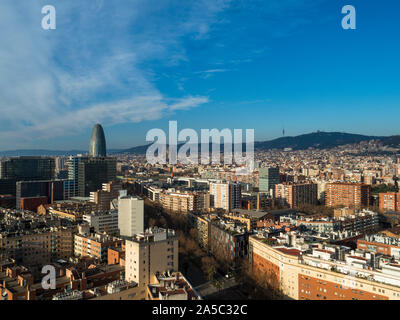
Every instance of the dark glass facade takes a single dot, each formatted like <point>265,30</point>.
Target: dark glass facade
<point>268,178</point>
<point>93,172</point>
<point>27,168</point>
<point>53,190</point>
<point>7,186</point>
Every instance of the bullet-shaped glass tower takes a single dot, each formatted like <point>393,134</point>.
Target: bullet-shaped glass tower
<point>97,142</point>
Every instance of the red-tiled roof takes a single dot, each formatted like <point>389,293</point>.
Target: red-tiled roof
<point>292,252</point>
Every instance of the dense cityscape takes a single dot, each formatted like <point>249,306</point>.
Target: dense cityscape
<point>315,224</point>
<point>190,158</point>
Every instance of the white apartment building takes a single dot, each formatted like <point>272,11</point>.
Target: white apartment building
<point>149,254</point>
<point>130,215</point>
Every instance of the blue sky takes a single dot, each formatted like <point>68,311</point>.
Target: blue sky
<point>135,65</point>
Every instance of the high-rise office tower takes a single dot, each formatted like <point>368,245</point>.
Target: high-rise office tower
<point>24,169</point>
<point>97,142</point>
<point>89,173</point>
<point>130,216</point>
<point>268,178</point>
<point>93,172</point>
<point>72,184</point>
<point>27,168</point>
<point>225,195</point>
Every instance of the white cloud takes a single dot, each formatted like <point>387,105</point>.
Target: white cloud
<point>208,73</point>
<point>56,83</point>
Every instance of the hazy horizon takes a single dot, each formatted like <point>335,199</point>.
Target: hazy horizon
<point>147,143</point>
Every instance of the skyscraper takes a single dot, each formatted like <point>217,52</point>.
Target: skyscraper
<point>268,178</point>
<point>24,169</point>
<point>72,182</point>
<point>27,168</point>
<point>87,174</point>
<point>97,142</point>
<point>93,172</point>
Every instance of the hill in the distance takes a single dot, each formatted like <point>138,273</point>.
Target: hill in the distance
<point>318,140</point>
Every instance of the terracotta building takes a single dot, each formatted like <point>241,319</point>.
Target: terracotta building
<point>296,277</point>
<point>389,201</point>
<point>353,195</point>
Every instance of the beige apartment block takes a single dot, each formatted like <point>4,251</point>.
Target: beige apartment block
<point>38,248</point>
<point>150,253</point>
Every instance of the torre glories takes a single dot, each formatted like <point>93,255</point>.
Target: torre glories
<point>97,142</point>
<point>91,172</point>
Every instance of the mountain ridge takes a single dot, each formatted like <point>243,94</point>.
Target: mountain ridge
<point>318,140</point>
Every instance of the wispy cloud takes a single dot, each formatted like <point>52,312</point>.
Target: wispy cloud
<point>208,73</point>
<point>92,68</point>
<point>102,64</point>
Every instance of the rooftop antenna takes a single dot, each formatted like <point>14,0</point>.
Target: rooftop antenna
<point>283,132</point>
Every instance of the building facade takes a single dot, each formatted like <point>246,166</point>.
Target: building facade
<point>103,221</point>
<point>267,179</point>
<point>97,142</point>
<point>130,216</point>
<point>94,245</point>
<point>228,242</point>
<point>27,168</point>
<point>149,254</point>
<point>103,197</point>
<point>296,194</point>
<point>52,189</point>
<point>225,196</point>
<point>353,195</point>
<point>299,278</point>
<point>38,247</point>
<point>389,201</point>
<point>93,172</point>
